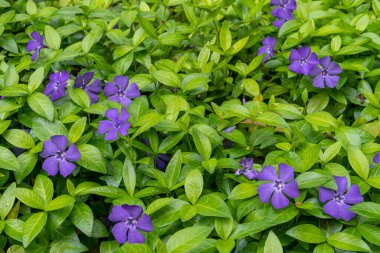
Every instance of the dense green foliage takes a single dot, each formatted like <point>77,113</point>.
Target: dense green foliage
<point>197,67</point>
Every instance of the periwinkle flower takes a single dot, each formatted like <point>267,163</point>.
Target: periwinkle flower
<point>283,7</point>
<point>58,157</point>
<point>160,160</point>
<point>339,201</point>
<point>116,124</point>
<point>376,158</point>
<point>280,21</point>
<point>129,219</point>
<point>326,73</point>
<point>119,91</point>
<point>302,60</point>
<point>92,89</point>
<point>56,87</point>
<point>229,129</point>
<point>280,185</point>
<point>2,97</point>
<point>247,169</point>
<point>269,44</point>
<point>35,44</point>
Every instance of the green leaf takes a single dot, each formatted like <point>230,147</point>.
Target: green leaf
<point>4,124</point>
<point>44,129</point>
<point>29,198</point>
<point>193,185</point>
<point>370,232</point>
<point>72,245</point>
<point>19,138</point>
<point>202,144</point>
<point>129,176</point>
<point>148,121</point>
<point>271,119</point>
<point>52,37</point>
<point>251,86</point>
<point>212,205</point>
<point>272,244</point>
<point>8,160</point>
<point>16,90</point>
<point>157,205</point>
<point>32,227</point>
<point>168,78</point>
<point>91,38</point>
<point>11,77</point>
<point>7,200</point>
<point>187,239</point>
<point>60,202</point>
<point>307,233</point>
<point>311,179</point>
<point>13,228</point>
<point>243,191</point>
<point>91,158</point>
<point>43,186</point>
<point>330,152</point>
<point>80,97</point>
<point>27,163</point>
<point>83,218</point>
<point>317,103</point>
<point>322,119</point>
<point>42,105</point>
<point>36,79</point>
<point>367,209</point>
<point>173,169</point>
<point>349,242</point>
<point>358,162</point>
<point>108,246</point>
<point>77,130</point>
<point>147,27</point>
<point>135,248</point>
<point>323,248</point>
<point>225,36</point>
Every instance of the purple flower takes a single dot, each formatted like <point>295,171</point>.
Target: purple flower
<point>279,185</point>
<point>376,158</point>
<point>230,129</point>
<point>128,220</point>
<point>339,201</point>
<point>116,124</point>
<point>2,97</point>
<point>302,60</point>
<point>116,26</point>
<point>283,7</point>
<point>120,92</point>
<point>326,73</point>
<point>36,44</point>
<point>248,171</point>
<point>57,157</point>
<point>269,44</point>
<point>92,89</point>
<point>161,160</point>
<point>56,87</point>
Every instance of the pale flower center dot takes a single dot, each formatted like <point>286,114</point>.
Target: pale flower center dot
<point>131,222</point>
<point>303,61</point>
<point>339,198</point>
<point>324,72</point>
<point>278,185</point>
<point>60,155</point>
<point>117,125</point>
<point>56,85</point>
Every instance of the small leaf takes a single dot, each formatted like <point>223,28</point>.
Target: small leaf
<point>194,185</point>
<point>42,105</point>
<point>272,244</point>
<point>83,218</point>
<point>213,205</point>
<point>52,37</point>
<point>347,241</point>
<point>187,239</point>
<point>19,138</point>
<point>91,158</point>
<point>358,162</point>
<point>173,169</point>
<point>129,176</point>
<point>32,227</point>
<point>307,233</point>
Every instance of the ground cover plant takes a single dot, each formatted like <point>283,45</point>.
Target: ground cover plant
<point>189,126</point>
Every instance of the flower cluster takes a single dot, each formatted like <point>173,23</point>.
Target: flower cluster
<point>324,71</point>
<point>283,11</point>
<point>278,187</point>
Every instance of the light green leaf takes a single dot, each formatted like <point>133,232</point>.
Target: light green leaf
<point>8,160</point>
<point>358,162</point>
<point>19,138</point>
<point>213,205</point>
<point>32,227</point>
<point>347,241</point>
<point>188,238</point>
<point>91,158</point>
<point>52,37</point>
<point>272,244</point>
<point>129,176</point>
<point>173,169</point>
<point>193,185</point>
<point>307,233</point>
<point>83,218</point>
<point>42,105</point>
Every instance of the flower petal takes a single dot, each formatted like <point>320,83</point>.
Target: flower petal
<point>115,98</point>
<point>291,189</point>
<point>334,69</point>
<point>294,55</point>
<point>32,45</point>
<point>376,158</point>
<point>133,91</point>
<point>111,135</point>
<point>35,55</point>
<point>353,195</point>
<point>48,149</point>
<point>319,82</point>
<point>66,168</point>
<point>345,213</point>
<point>93,97</point>
<point>133,210</point>
<point>296,67</point>
<point>331,208</point>
<point>87,77</point>
<point>112,114</point>
<point>104,126</point>
<point>325,62</point>
<point>119,213</point>
<point>135,236</point>
<point>60,142</point>
<point>119,231</point>
<point>341,183</point>
<point>286,172</point>
<point>315,71</point>
<point>325,194</point>
<point>95,86</point>
<point>72,154</point>
<point>250,174</point>
<point>268,174</point>
<point>50,165</point>
<point>265,191</point>
<point>123,130</point>
<point>110,89</point>
<point>145,223</point>
<point>125,102</point>
<point>124,115</point>
<point>279,200</point>
<point>37,37</point>
<point>121,81</point>
<point>332,81</point>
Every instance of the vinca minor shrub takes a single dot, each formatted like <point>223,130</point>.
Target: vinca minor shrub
<point>189,126</point>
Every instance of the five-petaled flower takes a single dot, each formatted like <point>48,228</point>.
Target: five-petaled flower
<point>35,44</point>
<point>302,60</point>
<point>283,7</point>
<point>339,202</point>
<point>129,218</point>
<point>58,157</point>
<point>116,124</point>
<point>92,89</point>
<point>247,169</point>
<point>376,158</point>
<point>326,73</point>
<point>269,44</point>
<point>119,91</point>
<point>56,87</point>
<point>285,184</point>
